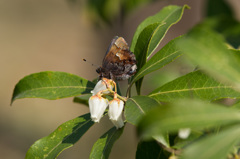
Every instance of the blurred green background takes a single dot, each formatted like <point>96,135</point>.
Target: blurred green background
<point>55,35</point>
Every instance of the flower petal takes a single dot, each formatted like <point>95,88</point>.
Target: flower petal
<point>99,87</point>
<point>118,123</point>
<point>115,108</point>
<point>115,112</point>
<point>103,85</point>
<point>97,106</point>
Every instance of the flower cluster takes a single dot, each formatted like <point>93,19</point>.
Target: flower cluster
<point>98,103</point>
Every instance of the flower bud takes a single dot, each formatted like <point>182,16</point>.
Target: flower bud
<point>115,112</point>
<point>103,85</point>
<point>184,133</point>
<point>97,106</point>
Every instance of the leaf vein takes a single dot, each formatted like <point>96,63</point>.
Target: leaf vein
<point>107,144</point>
<point>189,89</point>
<point>68,136</point>
<point>138,105</point>
<point>155,64</point>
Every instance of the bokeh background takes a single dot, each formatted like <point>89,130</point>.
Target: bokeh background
<point>56,35</point>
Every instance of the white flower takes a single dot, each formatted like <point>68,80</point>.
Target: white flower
<point>184,133</point>
<point>103,85</point>
<point>97,106</point>
<point>115,112</point>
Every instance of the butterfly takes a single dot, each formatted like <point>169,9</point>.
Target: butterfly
<point>119,63</point>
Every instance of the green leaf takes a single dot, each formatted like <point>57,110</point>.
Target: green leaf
<point>142,47</point>
<point>236,53</point>
<point>163,139</point>
<point>236,105</point>
<point>168,15</point>
<point>185,114</point>
<point>166,55</point>
<point>151,32</point>
<point>227,26</point>
<point>51,85</point>
<point>82,99</point>
<point>65,136</point>
<point>194,85</point>
<point>214,146</point>
<point>145,42</point>
<point>208,50</point>
<point>136,107</point>
<point>150,150</point>
<point>102,148</point>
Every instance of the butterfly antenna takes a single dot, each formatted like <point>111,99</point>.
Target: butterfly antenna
<point>90,63</point>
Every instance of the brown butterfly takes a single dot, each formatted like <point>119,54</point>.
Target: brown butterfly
<point>119,62</point>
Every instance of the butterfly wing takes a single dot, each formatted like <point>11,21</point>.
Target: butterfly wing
<point>116,51</point>
<point>119,61</point>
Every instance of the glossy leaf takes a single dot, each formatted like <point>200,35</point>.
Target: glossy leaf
<point>65,136</point>
<point>214,146</point>
<point>142,47</point>
<point>136,107</point>
<point>150,150</point>
<point>144,42</point>
<point>194,85</point>
<point>102,148</point>
<point>208,50</point>
<point>185,114</point>
<point>168,15</point>
<point>151,32</point>
<point>166,55</point>
<point>51,85</point>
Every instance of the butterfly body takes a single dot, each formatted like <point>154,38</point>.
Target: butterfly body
<point>119,62</point>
